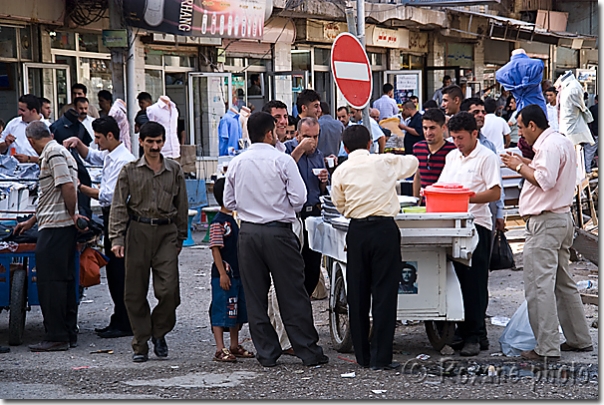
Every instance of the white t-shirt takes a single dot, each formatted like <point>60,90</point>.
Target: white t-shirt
<point>552,117</point>
<point>495,128</point>
<point>479,171</point>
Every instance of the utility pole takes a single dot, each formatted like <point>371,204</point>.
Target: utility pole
<point>358,30</point>
<point>117,55</point>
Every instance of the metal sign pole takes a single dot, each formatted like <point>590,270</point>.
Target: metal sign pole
<point>361,36</point>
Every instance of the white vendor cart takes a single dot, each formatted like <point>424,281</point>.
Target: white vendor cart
<point>429,242</point>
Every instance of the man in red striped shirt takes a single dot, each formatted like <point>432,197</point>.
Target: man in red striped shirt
<point>432,151</point>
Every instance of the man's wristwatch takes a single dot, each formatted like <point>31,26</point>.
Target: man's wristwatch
<point>519,167</point>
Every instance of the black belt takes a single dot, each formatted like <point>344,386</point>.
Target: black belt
<point>152,221</point>
<point>367,219</point>
<point>272,224</point>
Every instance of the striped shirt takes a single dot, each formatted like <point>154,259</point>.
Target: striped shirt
<point>142,192</point>
<point>431,164</point>
<point>57,167</point>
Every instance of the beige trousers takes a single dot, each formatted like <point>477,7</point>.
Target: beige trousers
<point>275,317</point>
<point>551,292</point>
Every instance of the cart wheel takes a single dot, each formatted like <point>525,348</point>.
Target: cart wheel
<point>440,333</point>
<point>338,317</point>
<point>18,301</point>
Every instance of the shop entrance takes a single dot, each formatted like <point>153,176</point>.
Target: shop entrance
<point>51,81</point>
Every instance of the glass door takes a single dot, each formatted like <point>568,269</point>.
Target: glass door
<point>286,86</point>
<point>210,96</point>
<point>406,83</point>
<point>51,81</point>
<point>434,78</point>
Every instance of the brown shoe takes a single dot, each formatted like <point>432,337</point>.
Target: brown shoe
<point>565,347</point>
<point>532,355</point>
<point>289,352</point>
<point>46,346</point>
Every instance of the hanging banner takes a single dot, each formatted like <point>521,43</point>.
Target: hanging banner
<point>199,18</point>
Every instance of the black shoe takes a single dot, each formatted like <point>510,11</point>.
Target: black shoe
<point>484,344</point>
<point>73,344</point>
<point>268,364</point>
<point>4,349</point>
<point>139,358</point>
<point>161,347</point>
<point>392,366</point>
<point>105,329</point>
<point>46,346</point>
<point>470,349</point>
<point>114,333</point>
<point>323,359</point>
<point>457,343</point>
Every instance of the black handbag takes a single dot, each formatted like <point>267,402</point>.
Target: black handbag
<point>501,255</point>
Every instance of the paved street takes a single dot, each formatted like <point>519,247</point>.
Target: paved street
<point>190,373</point>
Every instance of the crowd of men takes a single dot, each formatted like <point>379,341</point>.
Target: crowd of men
<point>144,205</point>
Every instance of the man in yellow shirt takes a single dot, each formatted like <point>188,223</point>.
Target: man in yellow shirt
<point>363,189</point>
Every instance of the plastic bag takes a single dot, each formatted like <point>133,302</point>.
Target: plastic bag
<point>518,335</point>
<point>501,256</point>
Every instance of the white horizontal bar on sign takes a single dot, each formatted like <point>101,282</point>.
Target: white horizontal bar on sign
<point>351,71</point>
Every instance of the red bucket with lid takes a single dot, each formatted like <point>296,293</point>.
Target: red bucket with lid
<point>447,197</point>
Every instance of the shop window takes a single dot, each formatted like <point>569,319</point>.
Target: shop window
<point>179,61</point>
<point>96,75</point>
<point>91,43</point>
<point>8,42</point>
<point>62,40</point>
<point>411,62</point>
<point>153,59</point>
<point>153,83</point>
<point>237,62</point>
<point>25,43</point>
<point>301,60</point>
<point>322,56</point>
<point>177,79</point>
<point>376,59</point>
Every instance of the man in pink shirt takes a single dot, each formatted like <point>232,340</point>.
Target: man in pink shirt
<point>545,202</point>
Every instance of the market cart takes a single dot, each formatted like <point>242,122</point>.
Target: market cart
<point>429,242</point>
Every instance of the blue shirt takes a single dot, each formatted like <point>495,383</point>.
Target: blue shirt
<point>522,76</point>
<point>229,133</point>
<point>305,165</point>
<point>330,135</point>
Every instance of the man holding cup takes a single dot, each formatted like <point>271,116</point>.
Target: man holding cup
<point>312,168</point>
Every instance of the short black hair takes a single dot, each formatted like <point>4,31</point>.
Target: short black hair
<point>306,97</point>
<point>490,105</point>
<point>43,100</point>
<point>534,113</point>
<point>143,95</point>
<point>387,88</point>
<point>80,100</point>
<point>152,129</point>
<point>268,107</point>
<point>254,77</point>
<point>552,90</point>
<point>446,77</point>
<point>454,91</point>
<point>325,108</point>
<point>2,123</point>
<point>219,191</point>
<point>32,102</point>
<point>435,115</point>
<point>79,86</point>
<point>469,102</point>
<point>356,137</point>
<point>345,108</point>
<point>107,124</point>
<point>291,120</point>
<point>430,104</point>
<point>258,124</point>
<point>414,98</point>
<point>462,121</point>
<point>105,95</point>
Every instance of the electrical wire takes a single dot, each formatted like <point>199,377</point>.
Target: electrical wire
<point>85,12</point>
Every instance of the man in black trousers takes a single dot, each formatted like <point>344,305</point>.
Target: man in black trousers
<point>56,215</point>
<point>364,190</point>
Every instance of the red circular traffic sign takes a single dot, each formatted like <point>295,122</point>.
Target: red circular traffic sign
<point>351,70</point>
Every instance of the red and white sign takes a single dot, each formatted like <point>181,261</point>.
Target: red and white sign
<point>351,70</point>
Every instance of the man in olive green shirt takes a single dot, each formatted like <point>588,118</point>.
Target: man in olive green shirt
<point>147,226</point>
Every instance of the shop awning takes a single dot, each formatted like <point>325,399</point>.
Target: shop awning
<point>510,29</point>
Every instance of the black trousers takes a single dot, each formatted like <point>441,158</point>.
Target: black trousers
<point>264,251</point>
<point>373,271</point>
<point>474,283</point>
<point>312,259</point>
<point>55,265</point>
<point>116,271</point>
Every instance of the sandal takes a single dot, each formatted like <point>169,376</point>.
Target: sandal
<point>225,356</point>
<point>240,351</point>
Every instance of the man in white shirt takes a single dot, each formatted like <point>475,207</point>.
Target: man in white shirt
<point>266,202</point>
<point>112,155</point>
<point>386,104</point>
<point>81,106</point>
<point>495,128</point>
<point>13,136</point>
<point>477,168</point>
<point>79,90</point>
<point>552,109</point>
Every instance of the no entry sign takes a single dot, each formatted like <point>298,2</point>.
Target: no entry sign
<point>351,70</point>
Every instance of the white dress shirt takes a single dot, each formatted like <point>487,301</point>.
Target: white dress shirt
<point>387,106</point>
<point>165,113</point>
<point>112,165</point>
<point>479,171</point>
<point>264,185</point>
<point>552,117</point>
<point>574,114</point>
<point>16,127</point>
<point>495,128</point>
